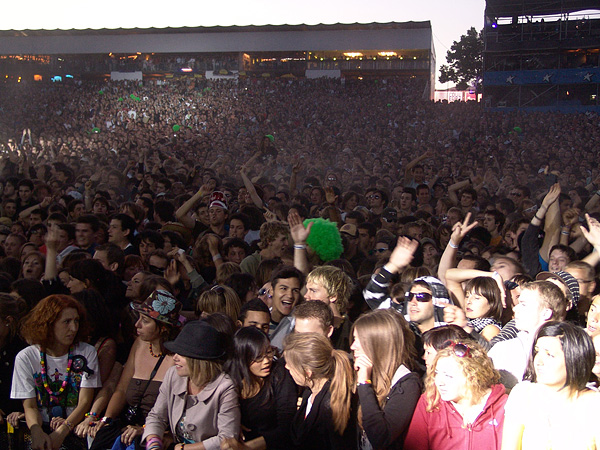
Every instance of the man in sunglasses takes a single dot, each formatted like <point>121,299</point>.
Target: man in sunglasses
<point>519,193</point>
<point>422,305</point>
<point>377,202</point>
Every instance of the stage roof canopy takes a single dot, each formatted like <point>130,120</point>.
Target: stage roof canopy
<point>266,38</point>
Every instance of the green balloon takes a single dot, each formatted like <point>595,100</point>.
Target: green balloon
<point>389,105</point>
<point>518,129</point>
<point>270,137</point>
<point>176,128</point>
<point>101,92</point>
<point>96,130</point>
<point>132,96</point>
<point>120,99</point>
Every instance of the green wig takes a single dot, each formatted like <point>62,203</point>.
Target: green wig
<point>324,239</point>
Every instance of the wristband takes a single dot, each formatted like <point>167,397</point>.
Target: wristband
<point>537,218</point>
<point>566,233</point>
<point>364,382</point>
<point>217,257</point>
<point>106,420</point>
<point>451,244</point>
<point>597,192</point>
<point>300,246</point>
<point>153,440</point>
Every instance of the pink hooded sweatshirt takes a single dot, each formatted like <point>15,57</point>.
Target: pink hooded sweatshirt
<point>443,429</point>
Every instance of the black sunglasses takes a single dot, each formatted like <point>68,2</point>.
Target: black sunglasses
<point>418,296</point>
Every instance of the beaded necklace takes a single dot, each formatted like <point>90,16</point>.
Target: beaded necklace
<point>55,395</point>
<point>153,354</point>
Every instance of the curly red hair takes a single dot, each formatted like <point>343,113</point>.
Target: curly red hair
<point>38,326</point>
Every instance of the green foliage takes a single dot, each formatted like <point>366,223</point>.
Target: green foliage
<point>465,61</point>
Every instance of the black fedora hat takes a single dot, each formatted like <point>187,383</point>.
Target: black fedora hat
<point>198,340</point>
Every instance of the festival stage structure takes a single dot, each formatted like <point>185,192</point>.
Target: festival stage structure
<point>542,55</point>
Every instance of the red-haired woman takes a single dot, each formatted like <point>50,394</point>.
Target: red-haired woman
<point>56,375</point>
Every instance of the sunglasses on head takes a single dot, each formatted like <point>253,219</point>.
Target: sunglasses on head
<point>458,348</point>
<point>418,296</point>
<point>218,289</point>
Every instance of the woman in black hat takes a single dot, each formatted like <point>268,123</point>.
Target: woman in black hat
<point>197,399</point>
<point>142,375</point>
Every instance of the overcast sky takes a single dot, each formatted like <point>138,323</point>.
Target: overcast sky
<point>449,18</point>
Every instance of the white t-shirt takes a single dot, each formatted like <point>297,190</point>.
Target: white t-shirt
<point>512,355</point>
<point>27,380</point>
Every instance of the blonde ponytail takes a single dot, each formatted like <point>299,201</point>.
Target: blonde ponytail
<point>313,351</point>
<point>342,387</point>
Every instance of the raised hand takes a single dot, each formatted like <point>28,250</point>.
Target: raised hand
<point>460,229</point>
<point>552,195</point>
<point>298,231</point>
<point>269,216</point>
<point>592,232</point>
<point>402,254</point>
<point>453,315</point>
<point>172,273</point>
<point>330,196</point>
<point>570,217</point>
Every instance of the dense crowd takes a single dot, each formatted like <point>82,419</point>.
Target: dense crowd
<point>265,264</point>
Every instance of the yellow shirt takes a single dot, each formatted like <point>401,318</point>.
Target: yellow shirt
<point>551,421</point>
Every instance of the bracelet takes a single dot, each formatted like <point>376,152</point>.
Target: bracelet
<point>106,420</point>
<point>69,425</point>
<point>364,382</point>
<point>597,192</point>
<point>452,244</point>
<point>536,217</point>
<point>154,443</point>
<point>217,257</point>
<point>93,415</point>
<point>566,233</point>
<point>300,246</point>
